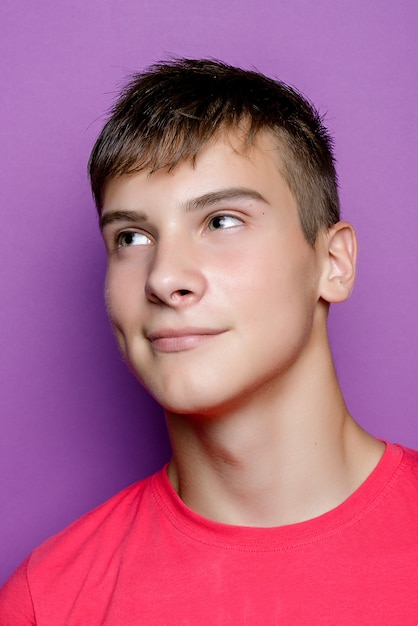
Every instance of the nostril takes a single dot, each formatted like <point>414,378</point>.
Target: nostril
<point>179,294</point>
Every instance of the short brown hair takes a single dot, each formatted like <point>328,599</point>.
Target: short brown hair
<point>169,112</point>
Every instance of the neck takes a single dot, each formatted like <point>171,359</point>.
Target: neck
<point>279,458</point>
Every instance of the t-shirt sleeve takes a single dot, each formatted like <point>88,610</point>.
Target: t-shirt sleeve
<point>16,608</point>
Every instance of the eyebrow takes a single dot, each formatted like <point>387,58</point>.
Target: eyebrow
<point>223,195</point>
<point>121,216</point>
<point>194,204</point>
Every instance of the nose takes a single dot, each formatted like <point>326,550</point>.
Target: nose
<point>175,275</point>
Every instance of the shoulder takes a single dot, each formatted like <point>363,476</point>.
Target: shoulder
<point>407,473</point>
<point>397,498</point>
<point>106,523</point>
<point>87,545</point>
<point>408,462</point>
<point>16,608</point>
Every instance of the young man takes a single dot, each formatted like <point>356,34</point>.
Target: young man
<point>218,205</point>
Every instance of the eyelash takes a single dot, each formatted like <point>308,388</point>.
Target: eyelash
<point>119,237</point>
<point>126,233</point>
<point>223,216</point>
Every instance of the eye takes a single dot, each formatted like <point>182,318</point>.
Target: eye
<point>223,221</point>
<point>128,238</point>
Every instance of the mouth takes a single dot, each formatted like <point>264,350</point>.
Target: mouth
<point>178,340</point>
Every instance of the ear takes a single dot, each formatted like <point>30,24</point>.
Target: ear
<point>340,255</point>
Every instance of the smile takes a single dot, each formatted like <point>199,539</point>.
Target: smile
<point>178,340</point>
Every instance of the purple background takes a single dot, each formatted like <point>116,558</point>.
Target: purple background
<point>76,427</point>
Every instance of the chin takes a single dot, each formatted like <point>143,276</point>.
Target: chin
<point>183,406</point>
<point>200,404</point>
<point>187,403</point>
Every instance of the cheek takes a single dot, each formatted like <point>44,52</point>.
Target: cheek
<point>122,311</point>
<point>111,297</point>
<point>121,297</point>
<point>279,292</point>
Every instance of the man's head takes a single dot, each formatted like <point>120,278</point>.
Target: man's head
<point>203,177</point>
<point>169,113</point>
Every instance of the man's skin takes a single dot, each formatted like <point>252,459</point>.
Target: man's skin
<point>219,305</point>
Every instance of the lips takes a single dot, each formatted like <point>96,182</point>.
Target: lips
<point>177,340</point>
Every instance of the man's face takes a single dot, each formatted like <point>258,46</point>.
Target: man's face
<point>211,285</point>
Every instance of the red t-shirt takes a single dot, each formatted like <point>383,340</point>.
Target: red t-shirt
<point>144,558</point>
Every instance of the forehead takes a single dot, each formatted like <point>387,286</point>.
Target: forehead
<point>228,160</point>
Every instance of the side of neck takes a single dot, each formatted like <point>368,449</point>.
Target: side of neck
<point>277,459</point>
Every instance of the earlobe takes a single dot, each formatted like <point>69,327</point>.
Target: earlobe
<point>340,262</point>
